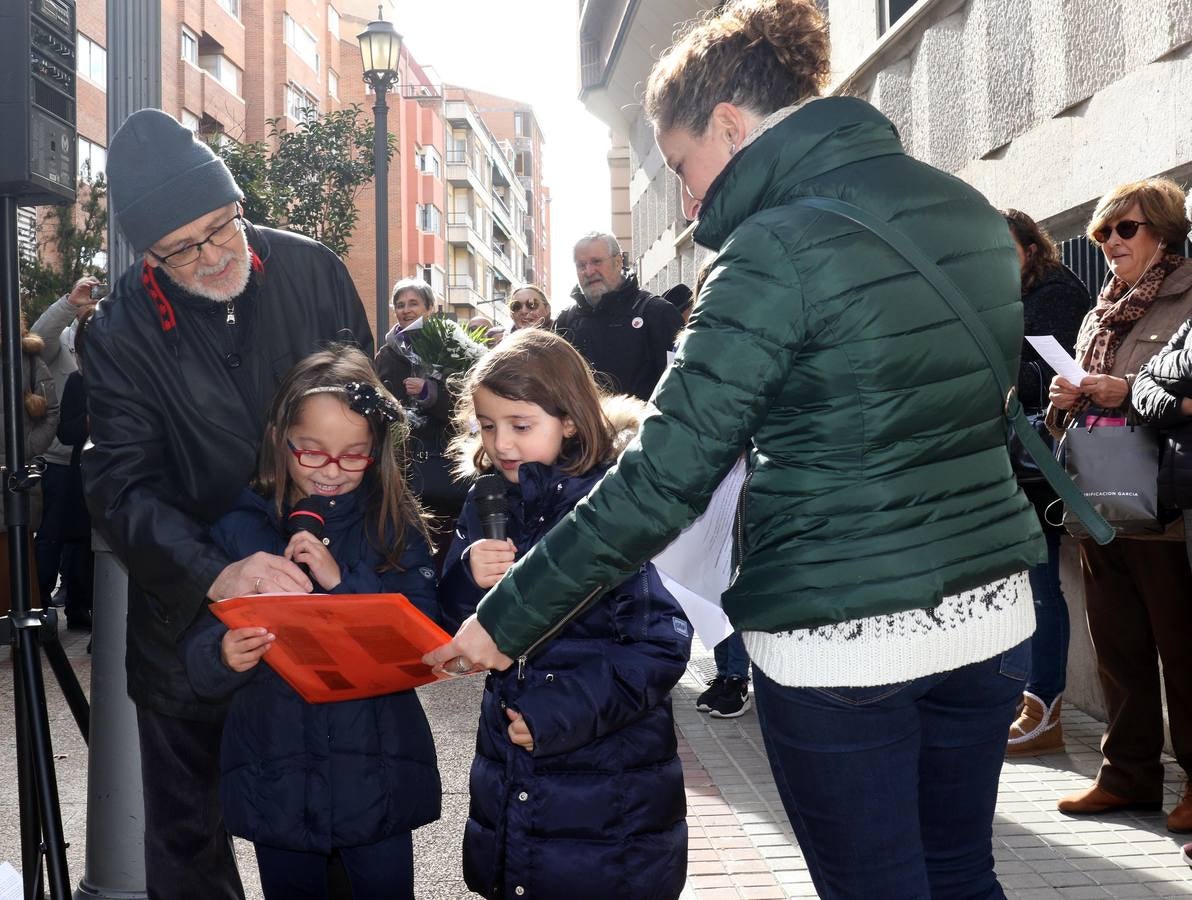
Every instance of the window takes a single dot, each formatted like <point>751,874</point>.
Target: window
<point>893,10</point>
<point>190,120</point>
<point>521,124</point>
<point>303,42</point>
<point>26,233</point>
<point>428,161</point>
<point>93,159</point>
<point>332,84</point>
<point>299,104</point>
<point>332,21</point>
<point>429,218</point>
<point>222,70</point>
<point>232,6</point>
<point>92,61</point>
<point>190,46</point>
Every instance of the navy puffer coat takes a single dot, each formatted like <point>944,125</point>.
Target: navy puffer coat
<point>597,808</point>
<point>313,777</point>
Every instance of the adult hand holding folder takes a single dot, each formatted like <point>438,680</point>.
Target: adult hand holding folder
<point>331,647</point>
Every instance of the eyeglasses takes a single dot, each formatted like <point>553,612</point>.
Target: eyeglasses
<point>219,236</point>
<point>530,305</point>
<point>1126,229</point>
<point>317,459</point>
<point>581,264</point>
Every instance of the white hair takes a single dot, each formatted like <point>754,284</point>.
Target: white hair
<point>614,247</point>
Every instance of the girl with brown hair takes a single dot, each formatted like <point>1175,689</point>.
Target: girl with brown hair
<point>584,726</point>
<point>303,781</point>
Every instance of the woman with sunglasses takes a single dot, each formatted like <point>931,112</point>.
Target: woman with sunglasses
<point>1136,591</point>
<point>530,308</point>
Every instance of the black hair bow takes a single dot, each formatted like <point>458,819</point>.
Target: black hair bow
<point>365,399</point>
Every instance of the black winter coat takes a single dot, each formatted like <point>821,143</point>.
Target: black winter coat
<point>1159,389</point>
<point>625,337</point>
<point>1056,305</point>
<point>430,472</point>
<point>597,809</point>
<point>178,405</point>
<point>312,777</point>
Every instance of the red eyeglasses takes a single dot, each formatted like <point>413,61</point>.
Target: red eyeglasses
<point>1126,229</point>
<point>316,459</point>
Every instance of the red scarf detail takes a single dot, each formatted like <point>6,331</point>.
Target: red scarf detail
<point>165,310</point>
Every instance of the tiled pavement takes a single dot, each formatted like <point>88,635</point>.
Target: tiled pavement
<point>742,845</point>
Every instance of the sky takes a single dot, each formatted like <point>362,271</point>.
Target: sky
<point>528,51</point>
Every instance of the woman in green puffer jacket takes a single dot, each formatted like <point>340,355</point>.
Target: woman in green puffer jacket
<point>882,541</point>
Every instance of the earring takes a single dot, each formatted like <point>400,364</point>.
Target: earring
<point>732,149</point>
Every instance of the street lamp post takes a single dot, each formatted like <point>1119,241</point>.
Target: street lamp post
<point>380,50</point>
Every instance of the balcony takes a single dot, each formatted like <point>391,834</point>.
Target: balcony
<point>461,290</point>
<point>504,213</point>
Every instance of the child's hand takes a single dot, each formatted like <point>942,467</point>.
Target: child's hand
<point>490,560</point>
<point>519,732</point>
<point>242,648</point>
<point>304,547</point>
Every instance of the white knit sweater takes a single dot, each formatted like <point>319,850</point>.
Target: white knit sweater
<point>965,628</point>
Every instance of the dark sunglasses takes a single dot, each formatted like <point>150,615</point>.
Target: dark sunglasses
<point>1126,229</point>
<point>531,305</point>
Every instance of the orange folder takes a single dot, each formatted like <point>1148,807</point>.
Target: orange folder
<point>340,646</point>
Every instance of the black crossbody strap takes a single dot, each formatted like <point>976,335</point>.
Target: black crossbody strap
<point>1100,530</point>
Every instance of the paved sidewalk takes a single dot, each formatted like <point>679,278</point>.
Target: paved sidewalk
<point>742,845</point>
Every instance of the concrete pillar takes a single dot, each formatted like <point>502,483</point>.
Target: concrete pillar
<point>115,857</point>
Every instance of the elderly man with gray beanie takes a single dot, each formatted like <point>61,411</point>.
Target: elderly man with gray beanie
<point>183,360</point>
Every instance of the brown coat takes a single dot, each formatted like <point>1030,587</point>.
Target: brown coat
<point>1171,308</point>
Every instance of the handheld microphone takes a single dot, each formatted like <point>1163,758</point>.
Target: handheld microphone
<point>492,505</point>
<point>306,516</point>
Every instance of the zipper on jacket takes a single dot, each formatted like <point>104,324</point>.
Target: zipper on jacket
<point>231,319</point>
<point>555,629</point>
<point>739,543</point>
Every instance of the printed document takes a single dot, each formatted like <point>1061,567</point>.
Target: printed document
<point>1057,357</point>
<point>697,566</point>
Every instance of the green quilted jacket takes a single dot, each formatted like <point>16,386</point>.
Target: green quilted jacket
<point>878,474</point>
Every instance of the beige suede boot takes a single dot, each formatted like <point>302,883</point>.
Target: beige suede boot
<point>1037,728</point>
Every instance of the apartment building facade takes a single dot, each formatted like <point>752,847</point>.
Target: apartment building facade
<point>228,66</point>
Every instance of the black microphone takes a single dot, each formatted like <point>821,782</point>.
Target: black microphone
<point>492,505</point>
<point>306,516</point>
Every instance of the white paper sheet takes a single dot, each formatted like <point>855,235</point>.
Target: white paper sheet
<point>697,565</point>
<point>1057,357</point>
<point>11,885</point>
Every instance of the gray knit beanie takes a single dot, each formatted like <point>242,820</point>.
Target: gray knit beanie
<point>161,177</point>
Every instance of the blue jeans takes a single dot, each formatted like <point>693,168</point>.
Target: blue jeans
<point>380,871</point>
<point>891,789</point>
<point>732,661</point>
<point>1049,645</point>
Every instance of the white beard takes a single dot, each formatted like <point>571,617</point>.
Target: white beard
<point>240,270</point>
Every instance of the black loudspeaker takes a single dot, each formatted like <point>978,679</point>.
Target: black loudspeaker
<point>38,140</point>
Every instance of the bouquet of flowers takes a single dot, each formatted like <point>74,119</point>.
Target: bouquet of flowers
<point>445,348</point>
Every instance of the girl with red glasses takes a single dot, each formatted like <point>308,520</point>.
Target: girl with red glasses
<point>301,780</point>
